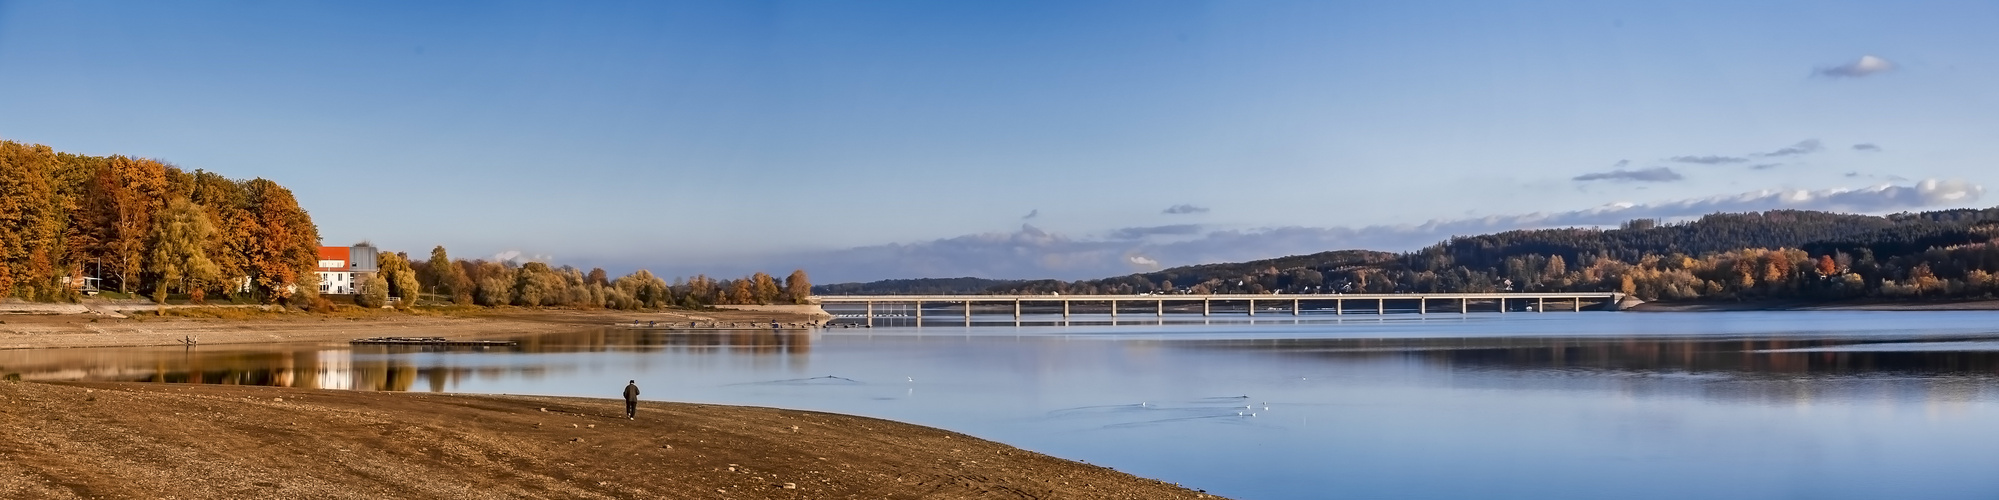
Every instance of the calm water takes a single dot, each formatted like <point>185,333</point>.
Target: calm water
<point>1557,405</point>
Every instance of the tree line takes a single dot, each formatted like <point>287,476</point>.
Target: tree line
<point>1739,256</point>
<point>146,226</point>
<point>534,284</point>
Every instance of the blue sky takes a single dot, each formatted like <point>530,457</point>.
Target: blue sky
<point>869,140</point>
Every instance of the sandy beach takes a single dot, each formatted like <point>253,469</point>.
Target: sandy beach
<point>132,440</point>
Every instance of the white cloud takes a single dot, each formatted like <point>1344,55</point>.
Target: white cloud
<point>1865,66</point>
<point>517,257</point>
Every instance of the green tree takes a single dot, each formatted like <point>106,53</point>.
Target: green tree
<point>374,291</point>
<point>179,257</point>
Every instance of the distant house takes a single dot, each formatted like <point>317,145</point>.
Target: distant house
<point>342,270</point>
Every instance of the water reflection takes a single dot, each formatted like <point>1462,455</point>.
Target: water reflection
<point>439,368</point>
<point>389,367</point>
<point>1762,357</point>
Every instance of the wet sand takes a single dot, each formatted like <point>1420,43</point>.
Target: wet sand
<point>129,440</point>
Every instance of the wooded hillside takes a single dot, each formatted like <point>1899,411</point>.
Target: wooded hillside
<point>1779,253</point>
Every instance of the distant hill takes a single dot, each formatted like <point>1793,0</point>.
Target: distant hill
<point>1779,253</point>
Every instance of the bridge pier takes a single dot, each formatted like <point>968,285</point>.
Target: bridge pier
<point>919,313</point>
<point>871,313</point>
<point>1380,307</point>
<point>1161,310</point>
<point>1252,307</point>
<point>1464,305</point>
<point>1578,301</point>
<point>1016,310</point>
<point>1422,305</point>
<point>1540,304</point>
<point>1294,306</point>
<point>1065,309</point>
<point>1113,311</point>
<point>1502,305</point>
<point>1339,307</point>
<point>1206,306</point>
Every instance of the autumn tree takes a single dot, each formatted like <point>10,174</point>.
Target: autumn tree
<point>763,289</point>
<point>401,277</point>
<point>798,287</point>
<point>122,199</point>
<point>1826,266</point>
<point>286,245</point>
<point>645,289</point>
<point>741,292</point>
<point>30,221</point>
<point>449,277</point>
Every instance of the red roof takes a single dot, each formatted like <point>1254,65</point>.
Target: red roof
<point>335,253</point>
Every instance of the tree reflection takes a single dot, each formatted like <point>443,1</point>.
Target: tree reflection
<point>388,367</point>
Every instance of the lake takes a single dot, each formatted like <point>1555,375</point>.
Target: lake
<point>1519,405</point>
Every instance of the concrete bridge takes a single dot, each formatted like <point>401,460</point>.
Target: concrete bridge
<point>1376,303</point>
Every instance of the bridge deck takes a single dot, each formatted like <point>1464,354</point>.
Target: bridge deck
<point>856,299</point>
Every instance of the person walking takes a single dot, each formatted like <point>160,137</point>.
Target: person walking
<point>632,400</point>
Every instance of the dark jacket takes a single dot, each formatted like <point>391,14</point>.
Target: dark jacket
<point>631,392</point>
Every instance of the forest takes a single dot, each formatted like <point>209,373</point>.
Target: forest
<point>146,226</point>
<point>1724,256</point>
<point>530,284</point>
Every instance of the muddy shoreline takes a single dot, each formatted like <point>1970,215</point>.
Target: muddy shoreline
<point>236,326</point>
<point>138,440</point>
